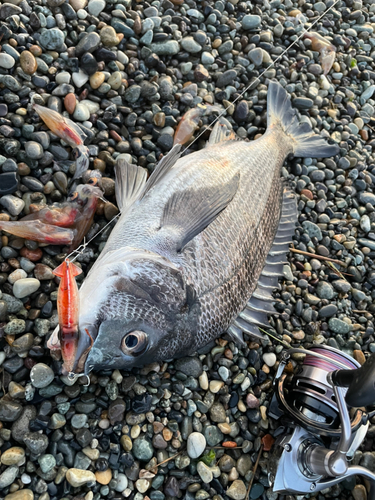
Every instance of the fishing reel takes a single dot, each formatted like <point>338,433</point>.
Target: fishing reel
<point>322,425</point>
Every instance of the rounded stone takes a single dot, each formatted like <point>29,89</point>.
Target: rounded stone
<point>34,150</point>
<point>143,449</point>
<point>41,375</point>
<point>79,477</point>
<point>25,287</point>
<point>196,444</point>
<point>28,62</point>
<point>6,61</point>
<point>12,456</point>
<point>25,494</point>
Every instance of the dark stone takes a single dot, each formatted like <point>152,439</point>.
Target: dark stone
<point>171,488</point>
<point>8,183</point>
<point>142,403</point>
<point>89,63</point>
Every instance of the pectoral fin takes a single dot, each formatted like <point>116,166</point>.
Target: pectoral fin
<point>130,181</point>
<point>188,213</point>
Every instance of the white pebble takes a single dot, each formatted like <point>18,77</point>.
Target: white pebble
<point>81,113</point>
<point>25,478</point>
<point>269,358</point>
<point>196,444</point>
<point>63,77</point>
<point>82,14</point>
<point>25,286</point>
<point>6,61</point>
<point>122,483</point>
<point>80,78</point>
<point>95,7</point>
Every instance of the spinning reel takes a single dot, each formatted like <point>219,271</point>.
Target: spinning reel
<point>319,436</point>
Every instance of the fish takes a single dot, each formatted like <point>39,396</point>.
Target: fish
<point>326,50</point>
<point>189,123</point>
<point>198,247</point>
<point>68,311</point>
<point>70,133</point>
<point>62,223</point>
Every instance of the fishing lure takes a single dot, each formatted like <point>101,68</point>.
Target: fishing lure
<point>326,50</point>
<point>70,133</point>
<point>62,223</point>
<point>68,312</point>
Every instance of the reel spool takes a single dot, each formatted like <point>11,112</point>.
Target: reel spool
<point>309,398</point>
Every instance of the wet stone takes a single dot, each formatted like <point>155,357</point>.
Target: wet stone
<point>8,476</point>
<point>41,375</point>
<point>142,449</point>
<point>190,366</point>
<point>13,204</point>
<point>36,443</point>
<point>8,183</point>
<point>9,410</point>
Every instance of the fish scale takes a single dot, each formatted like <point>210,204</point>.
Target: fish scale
<point>187,260</point>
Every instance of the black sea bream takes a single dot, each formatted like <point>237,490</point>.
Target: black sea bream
<point>206,233</point>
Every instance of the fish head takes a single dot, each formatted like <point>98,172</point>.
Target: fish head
<point>142,311</point>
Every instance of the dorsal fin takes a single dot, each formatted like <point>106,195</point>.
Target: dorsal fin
<point>130,181</point>
<point>163,167</point>
<point>220,133</point>
<point>260,303</point>
<point>61,270</point>
<point>188,213</point>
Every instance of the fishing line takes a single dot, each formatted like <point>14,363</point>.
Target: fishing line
<point>257,79</point>
<point>82,247</point>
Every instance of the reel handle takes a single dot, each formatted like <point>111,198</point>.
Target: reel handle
<point>360,383</point>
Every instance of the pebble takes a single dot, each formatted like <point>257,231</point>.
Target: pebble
<point>12,204</point>
<point>41,375</point>
<point>269,358</point>
<point>250,22</point>
<point>204,472</point>
<point>28,62</point>
<point>12,456</point>
<point>196,444</point>
<point>8,183</point>
<point>6,61</point>
<point>78,477</point>
<point>237,490</point>
<point>25,494</point>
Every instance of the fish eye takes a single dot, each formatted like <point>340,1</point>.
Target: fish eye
<point>93,181</point>
<point>134,343</point>
<point>73,196</point>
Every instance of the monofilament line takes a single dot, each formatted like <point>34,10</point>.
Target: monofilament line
<point>257,79</point>
<point>82,247</point>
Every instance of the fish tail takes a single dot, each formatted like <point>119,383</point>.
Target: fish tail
<point>304,142</point>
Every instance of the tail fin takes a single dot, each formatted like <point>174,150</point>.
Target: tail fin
<point>280,114</point>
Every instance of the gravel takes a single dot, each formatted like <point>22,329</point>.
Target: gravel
<point>127,73</point>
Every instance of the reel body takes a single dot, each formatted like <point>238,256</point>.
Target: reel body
<point>321,437</point>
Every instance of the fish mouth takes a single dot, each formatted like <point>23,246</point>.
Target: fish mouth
<point>97,360</point>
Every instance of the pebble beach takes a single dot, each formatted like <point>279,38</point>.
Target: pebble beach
<point>126,72</point>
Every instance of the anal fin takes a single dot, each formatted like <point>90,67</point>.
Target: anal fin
<point>255,313</point>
